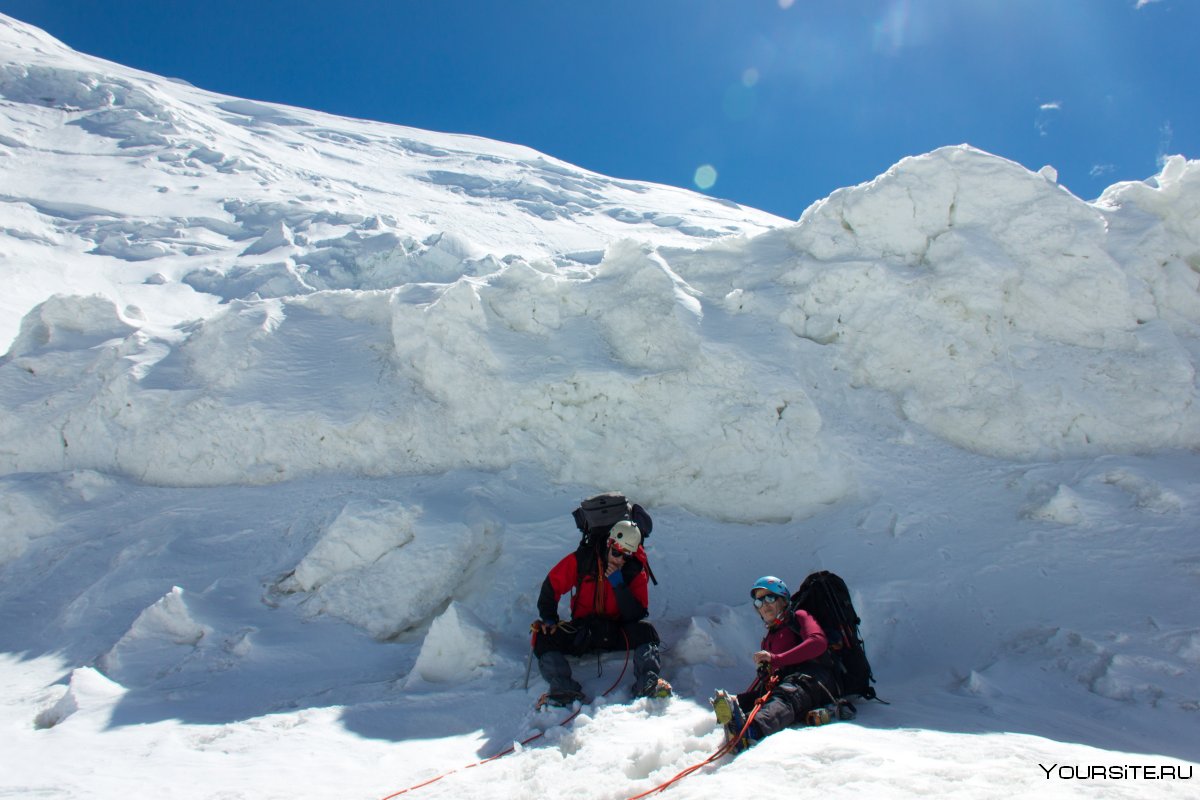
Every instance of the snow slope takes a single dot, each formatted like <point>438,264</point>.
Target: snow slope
<point>295,409</point>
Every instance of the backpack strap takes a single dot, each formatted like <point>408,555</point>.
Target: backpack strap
<point>827,659</point>
<point>645,559</point>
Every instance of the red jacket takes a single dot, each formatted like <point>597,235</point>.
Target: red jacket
<point>595,595</point>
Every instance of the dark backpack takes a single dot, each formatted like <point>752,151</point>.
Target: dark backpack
<point>826,597</point>
<point>596,515</point>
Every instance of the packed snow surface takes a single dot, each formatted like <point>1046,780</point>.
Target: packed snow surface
<point>295,409</point>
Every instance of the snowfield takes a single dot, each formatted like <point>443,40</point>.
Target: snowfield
<point>294,411</point>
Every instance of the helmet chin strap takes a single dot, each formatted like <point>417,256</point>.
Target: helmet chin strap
<point>771,623</point>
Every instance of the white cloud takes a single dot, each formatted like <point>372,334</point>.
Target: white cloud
<point>1166,134</point>
<point>1144,3</point>
<point>1042,122</point>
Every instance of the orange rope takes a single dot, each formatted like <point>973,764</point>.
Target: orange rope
<point>513,748</point>
<point>722,750</point>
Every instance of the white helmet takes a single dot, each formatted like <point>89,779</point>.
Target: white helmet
<point>625,535</point>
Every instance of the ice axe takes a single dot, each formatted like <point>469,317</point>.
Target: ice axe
<point>529,659</point>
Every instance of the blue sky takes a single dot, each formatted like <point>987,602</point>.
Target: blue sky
<point>784,100</point>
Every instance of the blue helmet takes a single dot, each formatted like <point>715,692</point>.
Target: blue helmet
<point>772,585</point>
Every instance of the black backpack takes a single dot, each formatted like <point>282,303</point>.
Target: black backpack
<point>596,515</point>
<point>826,597</point>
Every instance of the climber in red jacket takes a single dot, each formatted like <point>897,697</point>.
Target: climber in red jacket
<point>608,612</point>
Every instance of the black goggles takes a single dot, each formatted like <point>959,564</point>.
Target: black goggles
<point>759,602</point>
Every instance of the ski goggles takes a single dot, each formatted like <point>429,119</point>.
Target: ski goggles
<point>759,602</point>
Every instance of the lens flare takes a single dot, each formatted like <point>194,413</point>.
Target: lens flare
<point>891,31</point>
<point>738,102</point>
<point>705,177</point>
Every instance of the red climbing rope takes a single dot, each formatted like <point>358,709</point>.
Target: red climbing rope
<point>722,750</point>
<point>523,742</point>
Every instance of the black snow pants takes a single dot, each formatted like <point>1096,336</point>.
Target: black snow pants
<point>593,635</point>
<point>794,696</point>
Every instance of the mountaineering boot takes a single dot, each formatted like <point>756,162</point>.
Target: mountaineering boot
<point>822,715</point>
<point>556,671</point>
<point>653,686</point>
<point>729,714</point>
<point>558,700</point>
<point>646,665</point>
<point>731,717</point>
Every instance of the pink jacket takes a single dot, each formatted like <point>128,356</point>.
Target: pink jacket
<point>788,649</point>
